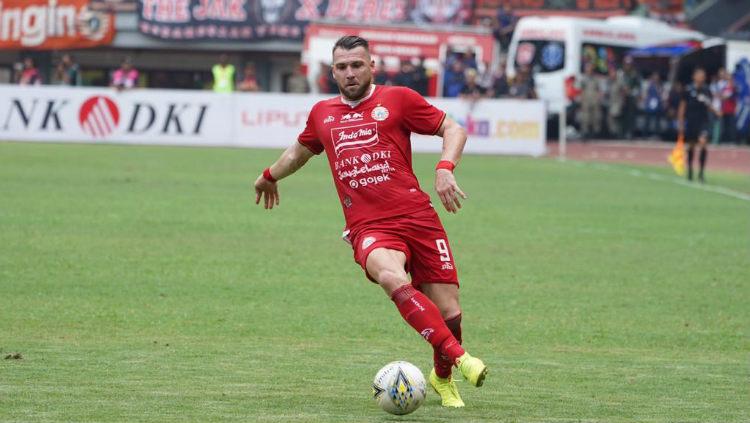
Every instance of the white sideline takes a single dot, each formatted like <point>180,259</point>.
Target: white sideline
<point>657,177</point>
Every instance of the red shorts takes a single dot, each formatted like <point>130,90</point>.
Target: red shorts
<point>420,236</point>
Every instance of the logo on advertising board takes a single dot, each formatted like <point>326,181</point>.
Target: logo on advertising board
<point>53,24</point>
<point>99,116</point>
<point>353,137</point>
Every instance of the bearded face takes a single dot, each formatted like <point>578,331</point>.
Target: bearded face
<point>352,70</point>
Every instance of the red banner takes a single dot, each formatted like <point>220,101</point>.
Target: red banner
<point>247,20</point>
<point>53,25</point>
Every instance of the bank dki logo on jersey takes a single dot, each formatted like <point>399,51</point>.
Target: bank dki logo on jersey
<point>99,116</point>
<point>353,137</point>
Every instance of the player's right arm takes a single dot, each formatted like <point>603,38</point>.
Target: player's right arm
<point>291,160</point>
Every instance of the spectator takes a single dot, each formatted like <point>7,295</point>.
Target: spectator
<point>614,98</point>
<point>485,78</point>
<point>523,85</point>
<point>652,101</point>
<point>573,95</point>
<point>224,75</point>
<point>29,74</point>
<point>58,75</point>
<point>297,82</point>
<point>640,8</point>
<point>406,76</point>
<point>631,81</point>
<point>126,77</point>
<point>454,79</point>
<point>470,60</point>
<point>421,78</point>
<point>726,99</point>
<point>471,90</point>
<point>504,25</point>
<point>500,85</point>
<point>67,72</point>
<point>325,82</point>
<point>591,97</point>
<point>381,77</point>
<point>249,81</point>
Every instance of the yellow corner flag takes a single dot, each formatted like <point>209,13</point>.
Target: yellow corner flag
<point>677,157</point>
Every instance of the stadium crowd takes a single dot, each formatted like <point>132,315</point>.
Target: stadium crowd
<point>624,104</point>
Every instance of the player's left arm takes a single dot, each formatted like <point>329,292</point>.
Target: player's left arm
<point>454,140</point>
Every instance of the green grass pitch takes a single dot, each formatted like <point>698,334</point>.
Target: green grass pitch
<point>141,284</point>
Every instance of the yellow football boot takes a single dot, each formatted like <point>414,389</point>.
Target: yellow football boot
<point>447,390</point>
<point>472,368</point>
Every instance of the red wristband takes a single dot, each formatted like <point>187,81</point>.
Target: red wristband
<point>445,164</point>
<point>267,175</point>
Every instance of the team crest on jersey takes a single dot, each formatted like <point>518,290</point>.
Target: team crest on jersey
<point>379,113</point>
<point>351,117</point>
<point>329,119</point>
<point>354,137</point>
<point>367,242</point>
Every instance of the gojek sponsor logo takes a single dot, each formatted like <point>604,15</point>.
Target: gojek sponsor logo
<point>371,168</point>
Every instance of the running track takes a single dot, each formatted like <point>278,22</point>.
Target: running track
<point>726,158</point>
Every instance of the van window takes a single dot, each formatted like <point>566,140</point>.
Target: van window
<point>603,57</point>
<point>541,55</point>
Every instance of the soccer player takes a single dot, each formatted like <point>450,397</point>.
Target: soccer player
<point>391,224</point>
<point>693,120</point>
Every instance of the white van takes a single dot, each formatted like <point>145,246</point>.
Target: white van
<point>554,47</point>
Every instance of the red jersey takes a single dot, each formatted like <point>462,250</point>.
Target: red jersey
<point>369,150</point>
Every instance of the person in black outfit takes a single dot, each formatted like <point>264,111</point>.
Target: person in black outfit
<point>381,76</point>
<point>406,76</point>
<point>693,120</point>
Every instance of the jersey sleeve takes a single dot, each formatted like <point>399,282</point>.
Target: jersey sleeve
<point>309,136</point>
<point>419,115</point>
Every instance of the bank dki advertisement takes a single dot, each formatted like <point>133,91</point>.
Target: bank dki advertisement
<point>201,118</point>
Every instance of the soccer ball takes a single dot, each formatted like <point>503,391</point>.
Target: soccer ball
<point>399,387</point>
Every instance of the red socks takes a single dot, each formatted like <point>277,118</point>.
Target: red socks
<point>425,318</point>
<point>443,365</point>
